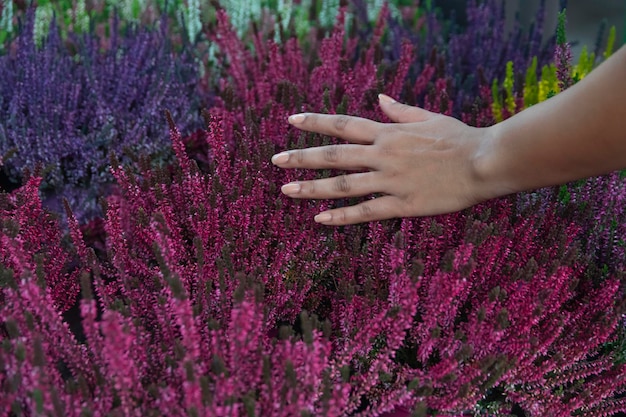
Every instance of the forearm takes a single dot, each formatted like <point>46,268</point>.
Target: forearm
<point>579,133</point>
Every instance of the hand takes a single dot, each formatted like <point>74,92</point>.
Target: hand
<point>424,164</point>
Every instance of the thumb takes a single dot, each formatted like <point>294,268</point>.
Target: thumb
<point>402,113</point>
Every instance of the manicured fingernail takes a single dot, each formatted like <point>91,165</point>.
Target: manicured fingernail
<point>323,217</point>
<point>280,158</point>
<point>296,118</point>
<point>383,98</point>
<point>291,188</point>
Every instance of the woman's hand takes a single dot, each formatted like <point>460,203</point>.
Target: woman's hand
<point>427,163</point>
<point>424,164</point>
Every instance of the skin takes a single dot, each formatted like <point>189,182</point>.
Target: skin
<point>426,163</point>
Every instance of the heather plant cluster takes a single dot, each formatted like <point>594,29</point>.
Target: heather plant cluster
<point>198,289</point>
<point>66,105</point>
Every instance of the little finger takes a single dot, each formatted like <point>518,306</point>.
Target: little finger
<point>381,208</point>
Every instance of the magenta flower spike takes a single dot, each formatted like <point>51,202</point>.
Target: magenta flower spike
<point>211,294</point>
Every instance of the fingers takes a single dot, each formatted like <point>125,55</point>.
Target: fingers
<point>352,185</point>
<point>381,208</point>
<point>352,129</point>
<point>402,113</point>
<point>352,156</point>
<point>347,157</point>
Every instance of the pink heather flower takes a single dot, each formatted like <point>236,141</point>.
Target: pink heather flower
<point>213,295</point>
<point>563,60</point>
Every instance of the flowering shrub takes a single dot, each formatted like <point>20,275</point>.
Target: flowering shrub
<point>213,295</point>
<point>67,106</point>
<point>213,300</point>
<point>185,17</point>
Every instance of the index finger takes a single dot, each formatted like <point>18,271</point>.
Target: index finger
<point>350,128</point>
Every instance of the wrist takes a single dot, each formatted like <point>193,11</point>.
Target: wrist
<point>490,168</point>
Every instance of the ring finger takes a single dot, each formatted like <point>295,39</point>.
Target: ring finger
<point>348,185</point>
<point>344,156</point>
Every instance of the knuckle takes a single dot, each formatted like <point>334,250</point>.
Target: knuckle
<point>341,184</point>
<point>388,134</point>
<point>340,122</point>
<point>365,211</point>
<point>311,120</point>
<point>404,108</point>
<point>387,150</point>
<point>299,155</point>
<point>332,153</point>
<point>341,216</point>
<point>309,188</point>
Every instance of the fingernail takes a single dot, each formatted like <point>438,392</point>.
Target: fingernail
<point>296,118</point>
<point>323,217</point>
<point>383,98</point>
<point>280,158</point>
<point>291,188</point>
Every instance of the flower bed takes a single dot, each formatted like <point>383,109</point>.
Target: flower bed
<point>203,291</point>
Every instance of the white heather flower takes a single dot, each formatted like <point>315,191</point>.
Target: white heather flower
<point>194,25</point>
<point>6,20</point>
<point>328,13</point>
<point>43,17</point>
<point>81,17</point>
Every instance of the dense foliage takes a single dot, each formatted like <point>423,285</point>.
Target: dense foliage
<point>67,104</point>
<point>203,291</point>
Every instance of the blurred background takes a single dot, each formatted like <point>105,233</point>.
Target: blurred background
<point>584,17</point>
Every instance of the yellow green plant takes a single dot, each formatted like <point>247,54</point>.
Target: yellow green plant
<point>496,106</point>
<point>610,43</point>
<point>549,84</point>
<point>585,64</point>
<point>531,85</point>
<point>509,83</point>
